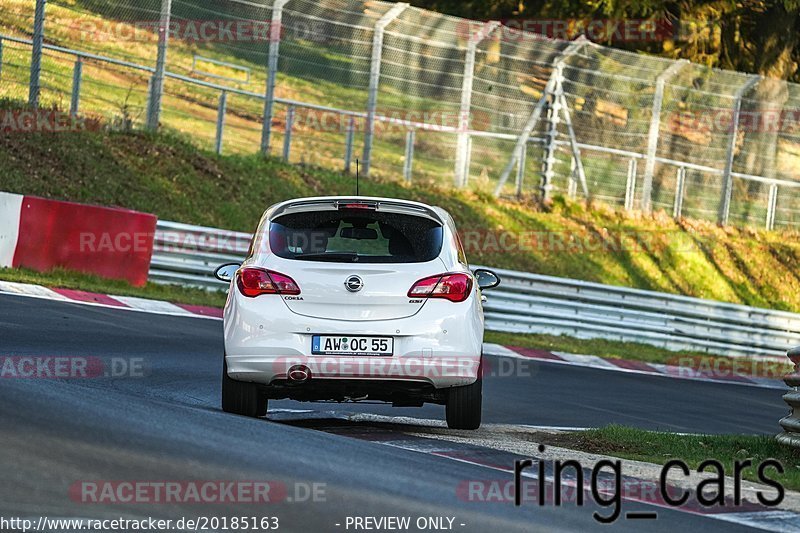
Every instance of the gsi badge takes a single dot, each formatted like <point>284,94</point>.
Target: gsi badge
<point>354,284</point>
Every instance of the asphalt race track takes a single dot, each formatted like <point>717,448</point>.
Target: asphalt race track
<point>167,426</point>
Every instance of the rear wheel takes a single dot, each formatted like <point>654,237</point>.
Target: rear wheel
<point>241,398</point>
<point>464,406</point>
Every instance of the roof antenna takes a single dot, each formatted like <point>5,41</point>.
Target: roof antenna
<point>357,177</point>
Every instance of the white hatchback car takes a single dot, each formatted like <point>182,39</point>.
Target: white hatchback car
<point>355,298</point>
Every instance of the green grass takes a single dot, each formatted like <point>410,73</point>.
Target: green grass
<point>63,279</point>
<point>658,448</point>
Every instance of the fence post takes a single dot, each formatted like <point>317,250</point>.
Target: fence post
<point>464,122</point>
<point>572,183</point>
<point>553,118</point>
<point>287,136</point>
<point>630,188</point>
<point>468,159</point>
<point>652,135</point>
<point>275,29</point>
<point>408,164</point>
<point>1,58</point>
<point>523,161</point>
<point>36,54</point>
<point>772,205</point>
<point>727,178</point>
<point>680,185</point>
<point>374,80</point>
<point>157,85</point>
<point>77,79</point>
<point>348,144</point>
<point>221,110</point>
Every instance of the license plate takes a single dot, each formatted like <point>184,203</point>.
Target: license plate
<point>344,345</point>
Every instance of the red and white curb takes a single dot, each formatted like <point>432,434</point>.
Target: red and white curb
<point>128,303</point>
<point>142,305</point>
<point>709,374</point>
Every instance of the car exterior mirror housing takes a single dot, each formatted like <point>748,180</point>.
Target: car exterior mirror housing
<point>486,279</point>
<point>226,272</point>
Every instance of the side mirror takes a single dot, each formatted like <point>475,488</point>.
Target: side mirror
<point>487,279</point>
<point>226,272</point>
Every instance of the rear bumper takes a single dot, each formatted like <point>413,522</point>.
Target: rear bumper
<point>440,346</point>
<point>397,392</point>
<point>440,372</point>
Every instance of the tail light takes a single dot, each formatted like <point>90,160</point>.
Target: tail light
<point>453,287</point>
<point>254,282</point>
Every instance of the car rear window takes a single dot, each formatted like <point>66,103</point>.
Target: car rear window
<point>351,236</point>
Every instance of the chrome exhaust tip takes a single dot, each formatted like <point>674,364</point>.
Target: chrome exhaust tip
<point>299,374</point>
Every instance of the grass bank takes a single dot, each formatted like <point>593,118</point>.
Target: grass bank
<point>166,175</point>
<point>658,448</point>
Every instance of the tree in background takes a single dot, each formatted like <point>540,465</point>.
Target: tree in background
<point>757,36</point>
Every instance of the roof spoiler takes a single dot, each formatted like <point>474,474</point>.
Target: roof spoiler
<point>340,204</point>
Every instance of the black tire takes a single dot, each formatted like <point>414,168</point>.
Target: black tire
<point>241,398</point>
<point>464,406</point>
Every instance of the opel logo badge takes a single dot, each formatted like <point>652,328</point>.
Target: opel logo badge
<point>354,284</point>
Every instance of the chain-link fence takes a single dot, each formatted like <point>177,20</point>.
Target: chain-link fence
<point>418,95</point>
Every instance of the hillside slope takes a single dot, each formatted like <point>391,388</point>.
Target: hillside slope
<point>168,176</point>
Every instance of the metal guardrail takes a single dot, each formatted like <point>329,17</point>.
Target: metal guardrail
<point>532,303</point>
<point>188,255</point>
<point>791,422</point>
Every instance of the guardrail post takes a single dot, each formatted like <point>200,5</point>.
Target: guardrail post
<point>677,209</point>
<point>630,187</point>
<point>791,422</point>
<point>275,29</point>
<point>77,79</point>
<point>408,164</point>
<point>464,122</point>
<point>157,85</point>
<point>374,80</point>
<point>221,111</point>
<point>523,161</point>
<point>36,54</point>
<point>652,136</point>
<point>348,144</point>
<point>727,178</point>
<point>287,136</point>
<point>772,206</point>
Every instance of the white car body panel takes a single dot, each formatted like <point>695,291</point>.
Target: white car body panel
<point>268,334</point>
